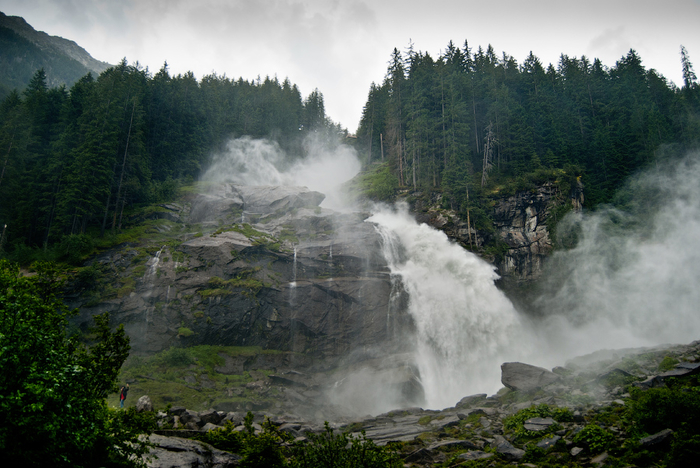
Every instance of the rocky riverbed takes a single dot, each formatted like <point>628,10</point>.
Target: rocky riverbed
<point>538,411</point>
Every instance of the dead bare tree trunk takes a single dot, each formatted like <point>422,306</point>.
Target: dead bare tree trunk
<point>121,176</point>
<point>469,224</point>
<point>488,154</point>
<point>381,144</point>
<point>7,158</point>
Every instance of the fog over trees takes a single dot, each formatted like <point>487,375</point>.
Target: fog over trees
<point>73,159</point>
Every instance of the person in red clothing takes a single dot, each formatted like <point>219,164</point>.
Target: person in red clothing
<point>122,395</point>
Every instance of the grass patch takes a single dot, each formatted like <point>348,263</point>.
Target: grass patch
<point>242,281</point>
<point>207,293</point>
<point>668,363</point>
<point>425,420</point>
<point>514,424</point>
<point>176,377</point>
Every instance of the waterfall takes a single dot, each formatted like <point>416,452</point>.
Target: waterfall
<point>330,257</point>
<point>152,268</point>
<point>464,326</point>
<point>293,284</point>
<point>148,280</point>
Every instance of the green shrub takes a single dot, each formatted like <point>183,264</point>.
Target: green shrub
<point>88,277</point>
<point>515,423</point>
<point>175,357</point>
<point>595,438</point>
<point>377,184</point>
<point>52,391</point>
<point>224,438</point>
<point>667,363</point>
<point>75,247</point>
<point>258,450</point>
<point>534,454</point>
<point>684,450</point>
<point>660,408</point>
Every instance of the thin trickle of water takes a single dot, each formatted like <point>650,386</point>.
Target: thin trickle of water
<point>152,266</point>
<point>148,280</point>
<point>330,258</point>
<point>465,327</point>
<point>292,303</point>
<point>293,284</point>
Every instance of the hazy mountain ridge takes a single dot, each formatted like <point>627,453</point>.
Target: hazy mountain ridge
<point>63,60</point>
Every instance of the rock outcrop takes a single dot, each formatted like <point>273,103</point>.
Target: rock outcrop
<point>520,224</point>
<point>177,452</point>
<point>520,221</point>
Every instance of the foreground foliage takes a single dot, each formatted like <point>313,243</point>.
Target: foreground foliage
<point>52,387</point>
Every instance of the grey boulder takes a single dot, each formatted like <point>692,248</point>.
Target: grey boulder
<point>526,377</point>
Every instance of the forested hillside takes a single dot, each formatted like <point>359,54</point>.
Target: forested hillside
<point>469,120</point>
<point>469,123</point>
<point>74,159</point>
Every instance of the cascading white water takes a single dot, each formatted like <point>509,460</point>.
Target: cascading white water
<point>152,265</point>
<point>293,284</point>
<point>465,326</point>
<point>148,280</point>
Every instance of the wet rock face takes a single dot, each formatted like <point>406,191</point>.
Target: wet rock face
<point>520,222</point>
<point>263,266</point>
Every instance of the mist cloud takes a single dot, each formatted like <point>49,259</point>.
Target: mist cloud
<point>632,279</point>
<point>324,168</point>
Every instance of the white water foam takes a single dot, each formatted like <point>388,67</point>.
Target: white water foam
<point>465,326</point>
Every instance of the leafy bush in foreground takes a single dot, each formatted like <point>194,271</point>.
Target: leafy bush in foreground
<point>53,410</point>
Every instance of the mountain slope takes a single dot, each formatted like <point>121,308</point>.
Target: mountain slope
<point>23,51</point>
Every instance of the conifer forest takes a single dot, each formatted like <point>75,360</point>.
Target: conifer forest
<point>469,123</point>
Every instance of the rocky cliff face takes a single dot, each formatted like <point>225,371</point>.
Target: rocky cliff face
<point>267,266</point>
<point>261,266</point>
<point>520,223</point>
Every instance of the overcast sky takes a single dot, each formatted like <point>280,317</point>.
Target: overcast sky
<point>342,46</point>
